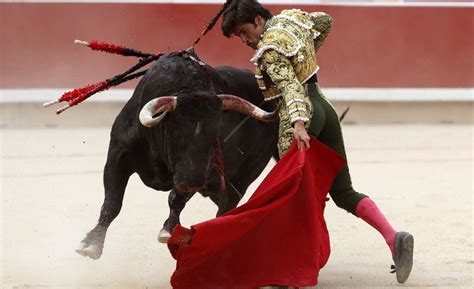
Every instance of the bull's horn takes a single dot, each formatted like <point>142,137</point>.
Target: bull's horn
<point>161,105</point>
<point>235,103</point>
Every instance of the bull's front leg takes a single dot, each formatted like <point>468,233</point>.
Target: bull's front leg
<point>228,199</point>
<point>176,201</point>
<point>115,180</point>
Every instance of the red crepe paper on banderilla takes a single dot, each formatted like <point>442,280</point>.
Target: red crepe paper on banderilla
<point>279,237</point>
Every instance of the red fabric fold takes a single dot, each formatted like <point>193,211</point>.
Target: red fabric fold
<point>279,237</point>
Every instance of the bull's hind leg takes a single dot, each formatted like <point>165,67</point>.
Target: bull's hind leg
<point>176,201</point>
<point>116,175</point>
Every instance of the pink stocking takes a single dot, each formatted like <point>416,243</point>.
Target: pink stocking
<point>368,211</point>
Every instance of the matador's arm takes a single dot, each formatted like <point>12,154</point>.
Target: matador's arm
<point>281,72</point>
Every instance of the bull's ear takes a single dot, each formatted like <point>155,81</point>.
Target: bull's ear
<point>161,105</point>
<point>235,103</point>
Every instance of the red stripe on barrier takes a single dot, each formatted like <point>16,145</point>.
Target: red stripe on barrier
<point>368,46</point>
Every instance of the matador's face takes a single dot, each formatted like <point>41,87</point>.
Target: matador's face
<point>250,33</point>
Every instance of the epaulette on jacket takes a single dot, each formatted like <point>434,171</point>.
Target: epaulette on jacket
<point>292,34</point>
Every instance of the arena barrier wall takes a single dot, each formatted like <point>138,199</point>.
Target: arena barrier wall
<point>369,46</point>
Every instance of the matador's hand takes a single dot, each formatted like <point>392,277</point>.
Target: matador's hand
<point>301,135</point>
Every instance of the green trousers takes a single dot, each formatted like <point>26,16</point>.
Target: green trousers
<point>325,127</point>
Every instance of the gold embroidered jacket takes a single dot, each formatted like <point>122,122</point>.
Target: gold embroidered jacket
<point>285,57</point>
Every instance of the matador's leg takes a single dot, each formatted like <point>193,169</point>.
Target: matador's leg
<point>326,127</point>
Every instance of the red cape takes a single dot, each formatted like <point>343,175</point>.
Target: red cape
<point>279,237</point>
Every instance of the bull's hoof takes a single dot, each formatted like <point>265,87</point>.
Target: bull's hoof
<point>164,236</point>
<point>92,250</point>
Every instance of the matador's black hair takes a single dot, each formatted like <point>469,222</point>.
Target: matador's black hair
<point>240,12</point>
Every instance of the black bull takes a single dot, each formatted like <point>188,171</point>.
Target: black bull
<point>179,153</point>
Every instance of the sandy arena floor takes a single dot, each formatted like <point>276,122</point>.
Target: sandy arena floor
<point>51,191</point>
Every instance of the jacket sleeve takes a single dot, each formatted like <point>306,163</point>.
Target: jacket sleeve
<point>322,26</point>
<point>282,74</point>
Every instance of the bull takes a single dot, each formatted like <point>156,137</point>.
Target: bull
<point>188,108</point>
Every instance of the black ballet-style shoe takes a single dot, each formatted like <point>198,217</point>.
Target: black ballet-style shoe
<point>403,256</point>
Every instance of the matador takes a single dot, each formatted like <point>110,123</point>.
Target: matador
<point>286,71</point>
